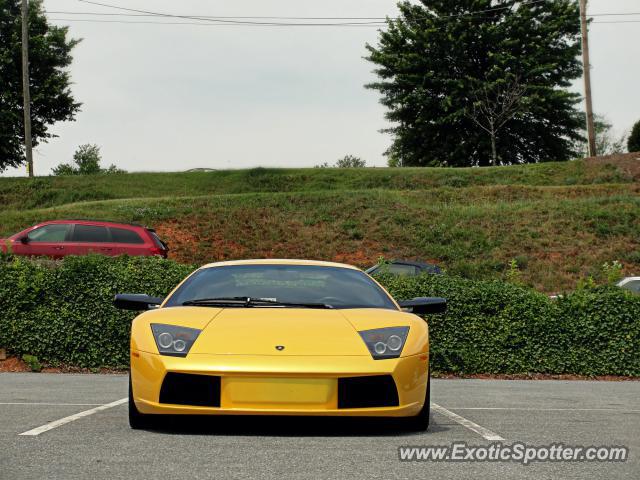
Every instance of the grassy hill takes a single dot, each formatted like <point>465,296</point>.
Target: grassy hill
<point>560,221</point>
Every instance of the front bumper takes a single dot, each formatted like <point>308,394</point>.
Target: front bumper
<point>279,385</point>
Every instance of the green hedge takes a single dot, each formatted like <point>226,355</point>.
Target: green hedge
<point>61,312</point>
<point>497,327</point>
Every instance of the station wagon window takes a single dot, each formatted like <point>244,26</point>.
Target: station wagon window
<point>402,270</point>
<point>396,269</point>
<point>49,233</point>
<point>122,235</point>
<point>90,234</point>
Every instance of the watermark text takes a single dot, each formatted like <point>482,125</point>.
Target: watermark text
<point>516,452</point>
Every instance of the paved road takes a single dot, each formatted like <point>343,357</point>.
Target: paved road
<point>100,444</point>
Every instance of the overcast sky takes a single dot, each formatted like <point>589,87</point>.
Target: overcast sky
<point>174,97</point>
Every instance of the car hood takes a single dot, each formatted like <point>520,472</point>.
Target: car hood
<point>280,331</point>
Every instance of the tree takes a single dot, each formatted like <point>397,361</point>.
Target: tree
<point>606,141</point>
<point>87,160</point>
<point>447,68</point>
<point>494,104</point>
<point>49,57</point>
<point>633,144</point>
<point>349,161</point>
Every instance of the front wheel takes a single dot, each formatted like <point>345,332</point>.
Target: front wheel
<point>420,423</point>
<point>137,420</point>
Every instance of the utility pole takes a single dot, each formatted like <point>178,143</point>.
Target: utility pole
<point>25,87</point>
<point>586,67</point>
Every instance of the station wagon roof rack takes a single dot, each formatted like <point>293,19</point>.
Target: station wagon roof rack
<point>102,221</point>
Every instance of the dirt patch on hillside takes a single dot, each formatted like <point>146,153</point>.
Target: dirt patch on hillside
<point>199,240</point>
<point>175,235</point>
<point>365,255</point>
<point>13,364</point>
<point>627,163</point>
<point>187,243</point>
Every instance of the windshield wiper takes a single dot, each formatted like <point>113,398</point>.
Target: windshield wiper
<point>248,302</point>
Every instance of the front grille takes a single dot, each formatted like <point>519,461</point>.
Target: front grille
<point>188,389</point>
<point>367,392</point>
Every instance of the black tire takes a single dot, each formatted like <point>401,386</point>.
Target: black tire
<point>420,423</point>
<point>137,420</point>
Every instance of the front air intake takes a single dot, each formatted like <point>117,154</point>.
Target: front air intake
<point>367,392</point>
<point>188,389</point>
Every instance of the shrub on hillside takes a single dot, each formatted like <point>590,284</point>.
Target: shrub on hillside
<point>87,160</point>
<point>350,161</point>
<point>633,144</point>
<point>61,312</point>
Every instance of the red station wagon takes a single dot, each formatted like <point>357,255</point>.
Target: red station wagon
<point>60,238</point>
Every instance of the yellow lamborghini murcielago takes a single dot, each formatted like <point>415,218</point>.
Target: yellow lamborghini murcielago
<point>279,337</point>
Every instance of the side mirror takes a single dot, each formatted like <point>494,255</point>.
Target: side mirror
<point>136,302</point>
<point>24,240</point>
<point>424,305</point>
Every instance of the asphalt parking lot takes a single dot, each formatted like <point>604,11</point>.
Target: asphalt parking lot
<point>75,426</point>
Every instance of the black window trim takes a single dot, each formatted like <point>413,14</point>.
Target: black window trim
<point>72,231</point>
<point>156,240</point>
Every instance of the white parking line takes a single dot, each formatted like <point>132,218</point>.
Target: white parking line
<point>550,409</point>
<point>71,418</point>
<point>474,427</point>
<point>52,404</point>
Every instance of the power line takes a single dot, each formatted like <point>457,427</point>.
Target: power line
<point>257,17</point>
<point>613,14</point>
<point>205,20</point>
<point>619,21</point>
<point>380,22</point>
<point>107,14</point>
<point>200,24</point>
<point>220,20</point>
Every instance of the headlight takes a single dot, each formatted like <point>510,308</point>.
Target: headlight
<point>385,342</point>
<point>173,340</point>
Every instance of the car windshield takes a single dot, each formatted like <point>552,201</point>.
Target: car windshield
<point>293,284</point>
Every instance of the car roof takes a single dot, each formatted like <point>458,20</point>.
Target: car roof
<point>280,261</point>
<point>412,262</point>
<point>430,267</point>
<point>88,221</point>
